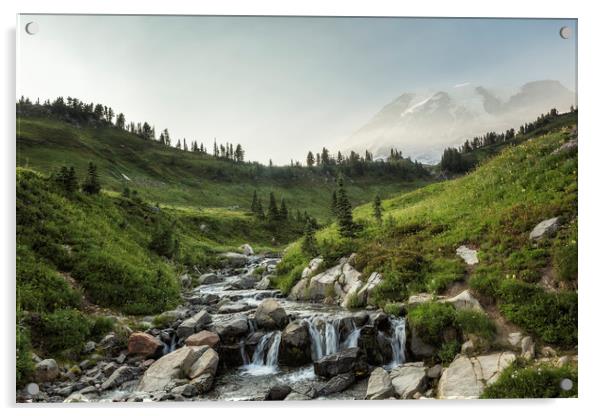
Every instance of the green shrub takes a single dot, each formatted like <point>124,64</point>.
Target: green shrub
<point>448,351</point>
<point>394,309</point>
<point>24,362</point>
<point>474,322</point>
<point>442,273</point>
<point>429,320</point>
<point>101,326</point>
<point>63,329</point>
<point>565,256</point>
<point>485,283</point>
<point>543,381</point>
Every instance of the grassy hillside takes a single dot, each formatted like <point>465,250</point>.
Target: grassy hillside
<point>81,257</point>
<point>492,209</point>
<point>175,177</point>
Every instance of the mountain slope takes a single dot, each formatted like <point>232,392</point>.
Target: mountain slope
<point>423,125</point>
<point>175,177</point>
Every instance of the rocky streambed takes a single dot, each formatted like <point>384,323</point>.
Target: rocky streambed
<point>235,338</point>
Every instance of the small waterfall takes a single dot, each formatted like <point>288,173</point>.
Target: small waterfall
<point>271,359</point>
<point>398,341</point>
<point>243,353</point>
<point>167,348</point>
<point>316,340</point>
<point>352,338</point>
<point>265,356</point>
<point>331,337</point>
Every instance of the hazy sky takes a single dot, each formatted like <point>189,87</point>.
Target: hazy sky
<point>278,86</point>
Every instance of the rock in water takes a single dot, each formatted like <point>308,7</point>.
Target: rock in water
<point>379,385</point>
<point>295,345</point>
<point>336,384</point>
<point>234,259</point>
<point>232,328</point>
<point>143,344</point>
<point>172,366</point>
<point>347,361</point>
<point>209,279</point>
<point>270,315</point>
<point>545,228</point>
<point>278,392</point>
<point>466,378</point>
<point>193,324</point>
<point>208,338</point>
<point>468,255</point>
<point>246,249</point>
<point>409,379</point>
<point>46,370</point>
<point>205,364</point>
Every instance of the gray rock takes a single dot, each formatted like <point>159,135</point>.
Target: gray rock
<point>46,370</point>
<point>527,348</point>
<point>120,376</point>
<point>435,371</point>
<point>246,249</point>
<point>203,383</point>
<point>232,327</point>
<point>263,284</point>
<point>76,398</point>
<point>466,378</point>
<point>193,324</point>
<point>312,268</point>
<point>346,361</point>
<point>278,392</point>
<point>235,307</point>
<point>337,384</point>
<point>299,291</point>
<point>185,280</point>
<point>515,338</point>
<point>186,390</point>
<point>89,347</point>
<point>170,367</point>
<point>270,315</point>
<point>409,379</point>
<point>468,348</point>
<point>464,301</point>
<point>373,281</point>
<point>234,259</point>
<point>209,279</point>
<point>379,385</point>
<point>469,256</point>
<point>545,228</point>
<point>205,364</point>
<point>295,345</point>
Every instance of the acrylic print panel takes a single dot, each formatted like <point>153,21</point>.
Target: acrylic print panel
<point>269,208</point>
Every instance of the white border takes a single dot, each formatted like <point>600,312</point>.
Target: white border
<point>590,95</point>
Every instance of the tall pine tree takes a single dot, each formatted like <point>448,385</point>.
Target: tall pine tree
<point>273,212</point>
<point>377,209</point>
<point>91,185</point>
<point>347,227</point>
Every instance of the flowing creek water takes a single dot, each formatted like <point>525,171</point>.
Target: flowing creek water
<point>331,329</point>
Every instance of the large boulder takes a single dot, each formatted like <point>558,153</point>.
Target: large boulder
<point>466,378</point>
<point>336,384</point>
<point>373,281</point>
<point>243,283</point>
<point>231,328</point>
<point>46,370</point>
<point>246,249</point>
<point>234,259</point>
<point>144,345</point>
<point>464,300</point>
<point>120,376</point>
<point>469,255</point>
<point>295,345</point>
<point>193,324</point>
<point>409,379</point>
<point>170,367</point>
<point>349,360</point>
<point>545,228</point>
<point>300,290</point>
<point>270,315</point>
<point>234,307</point>
<point>322,285</point>
<point>209,279</point>
<point>264,283</point>
<point>419,348</point>
<point>379,385</point>
<point>208,338</point>
<point>205,364</point>
<point>312,268</point>
<point>350,283</point>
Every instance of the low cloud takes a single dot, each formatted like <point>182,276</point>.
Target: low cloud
<point>463,84</point>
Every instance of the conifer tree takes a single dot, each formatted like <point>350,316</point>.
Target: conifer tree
<point>377,209</point>
<point>309,244</point>
<point>91,185</point>
<point>283,213</point>
<point>334,206</point>
<point>273,212</point>
<point>260,212</point>
<point>254,203</point>
<point>310,159</point>
<point>344,213</point>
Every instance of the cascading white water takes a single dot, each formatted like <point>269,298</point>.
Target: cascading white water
<point>352,338</point>
<point>264,360</point>
<point>316,340</point>
<point>327,340</point>
<point>331,337</point>
<point>398,341</point>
